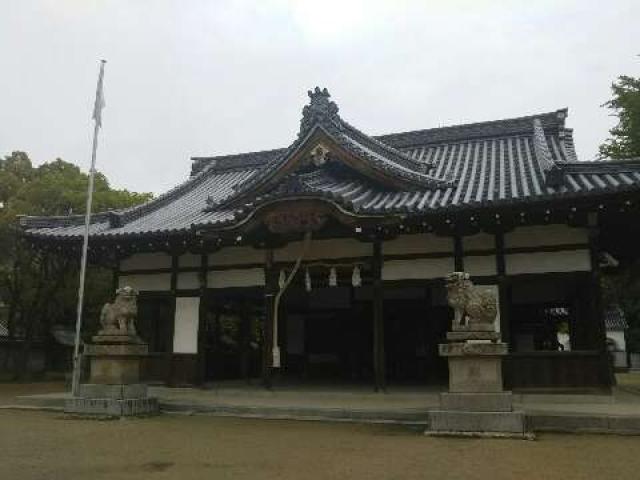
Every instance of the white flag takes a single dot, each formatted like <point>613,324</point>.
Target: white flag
<point>99,105</point>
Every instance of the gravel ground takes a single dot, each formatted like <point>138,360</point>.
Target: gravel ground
<point>40,445</point>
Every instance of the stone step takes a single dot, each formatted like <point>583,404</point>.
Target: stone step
<point>110,407</point>
<point>450,421</point>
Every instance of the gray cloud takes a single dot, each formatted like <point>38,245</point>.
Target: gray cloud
<point>203,77</point>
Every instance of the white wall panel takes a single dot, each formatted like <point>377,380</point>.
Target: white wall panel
<point>418,243</point>
<point>185,334</point>
<point>548,262</point>
<point>546,235</point>
<point>480,241</point>
<point>188,281</point>
<point>237,256</point>
<point>417,269</point>
<point>189,260</point>
<point>146,282</point>
<point>146,261</point>
<point>248,277</point>
<point>477,266</point>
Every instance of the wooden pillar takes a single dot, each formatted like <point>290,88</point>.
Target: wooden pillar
<point>504,289</point>
<point>202,318</point>
<point>598,335</point>
<point>270,290</point>
<point>114,277</point>
<point>458,253</point>
<point>170,379</point>
<point>245,351</point>
<point>174,273</point>
<point>378,319</point>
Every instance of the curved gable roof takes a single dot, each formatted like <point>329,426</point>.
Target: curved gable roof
<point>504,162</point>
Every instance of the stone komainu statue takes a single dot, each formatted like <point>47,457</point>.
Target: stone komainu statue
<point>472,306</point>
<point>118,318</point>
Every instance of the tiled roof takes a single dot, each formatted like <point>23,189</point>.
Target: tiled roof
<point>614,318</point>
<point>488,164</point>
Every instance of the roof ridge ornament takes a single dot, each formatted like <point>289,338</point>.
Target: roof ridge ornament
<point>319,110</point>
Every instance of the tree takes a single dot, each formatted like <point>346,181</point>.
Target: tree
<point>38,287</point>
<point>625,104</point>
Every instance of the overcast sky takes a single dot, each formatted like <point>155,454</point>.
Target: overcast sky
<point>188,78</point>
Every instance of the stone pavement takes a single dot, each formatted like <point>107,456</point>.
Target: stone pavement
<point>616,413</point>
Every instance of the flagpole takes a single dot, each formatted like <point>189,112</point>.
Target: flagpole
<point>99,103</point>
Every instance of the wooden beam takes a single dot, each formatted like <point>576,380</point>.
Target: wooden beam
<point>378,319</point>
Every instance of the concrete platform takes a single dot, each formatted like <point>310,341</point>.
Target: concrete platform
<point>617,413</point>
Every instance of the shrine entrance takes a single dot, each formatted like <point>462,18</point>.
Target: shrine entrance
<point>327,336</point>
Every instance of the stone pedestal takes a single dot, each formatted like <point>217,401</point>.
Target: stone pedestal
<point>114,388</point>
<point>476,404</point>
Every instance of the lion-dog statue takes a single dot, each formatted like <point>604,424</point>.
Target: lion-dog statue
<point>118,318</point>
<point>474,308</point>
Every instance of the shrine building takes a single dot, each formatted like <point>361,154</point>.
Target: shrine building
<point>325,261</point>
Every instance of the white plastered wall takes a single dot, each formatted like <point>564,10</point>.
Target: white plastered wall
<point>145,261</point>
<point>548,262</point>
<point>241,277</point>
<point>417,243</point>
<point>188,281</point>
<point>189,260</point>
<point>480,265</point>
<point>576,260</point>
<point>236,256</point>
<point>479,241</point>
<point>421,268</point>
<point>185,334</point>
<point>545,235</point>
<point>146,282</point>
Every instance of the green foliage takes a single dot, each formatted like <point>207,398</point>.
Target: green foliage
<point>39,289</point>
<point>625,104</point>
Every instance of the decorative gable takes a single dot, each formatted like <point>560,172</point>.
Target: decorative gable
<point>325,140</point>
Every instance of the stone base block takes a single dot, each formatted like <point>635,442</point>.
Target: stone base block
<point>116,349</point>
<point>476,422</point>
<point>474,327</point>
<point>477,402</point>
<point>473,349</point>
<point>464,336</point>
<point>118,391</point>
<point>111,407</point>
<point>115,370</point>
<point>117,338</point>
<point>471,374</point>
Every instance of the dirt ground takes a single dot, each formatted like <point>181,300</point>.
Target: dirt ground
<point>9,391</point>
<point>40,445</point>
